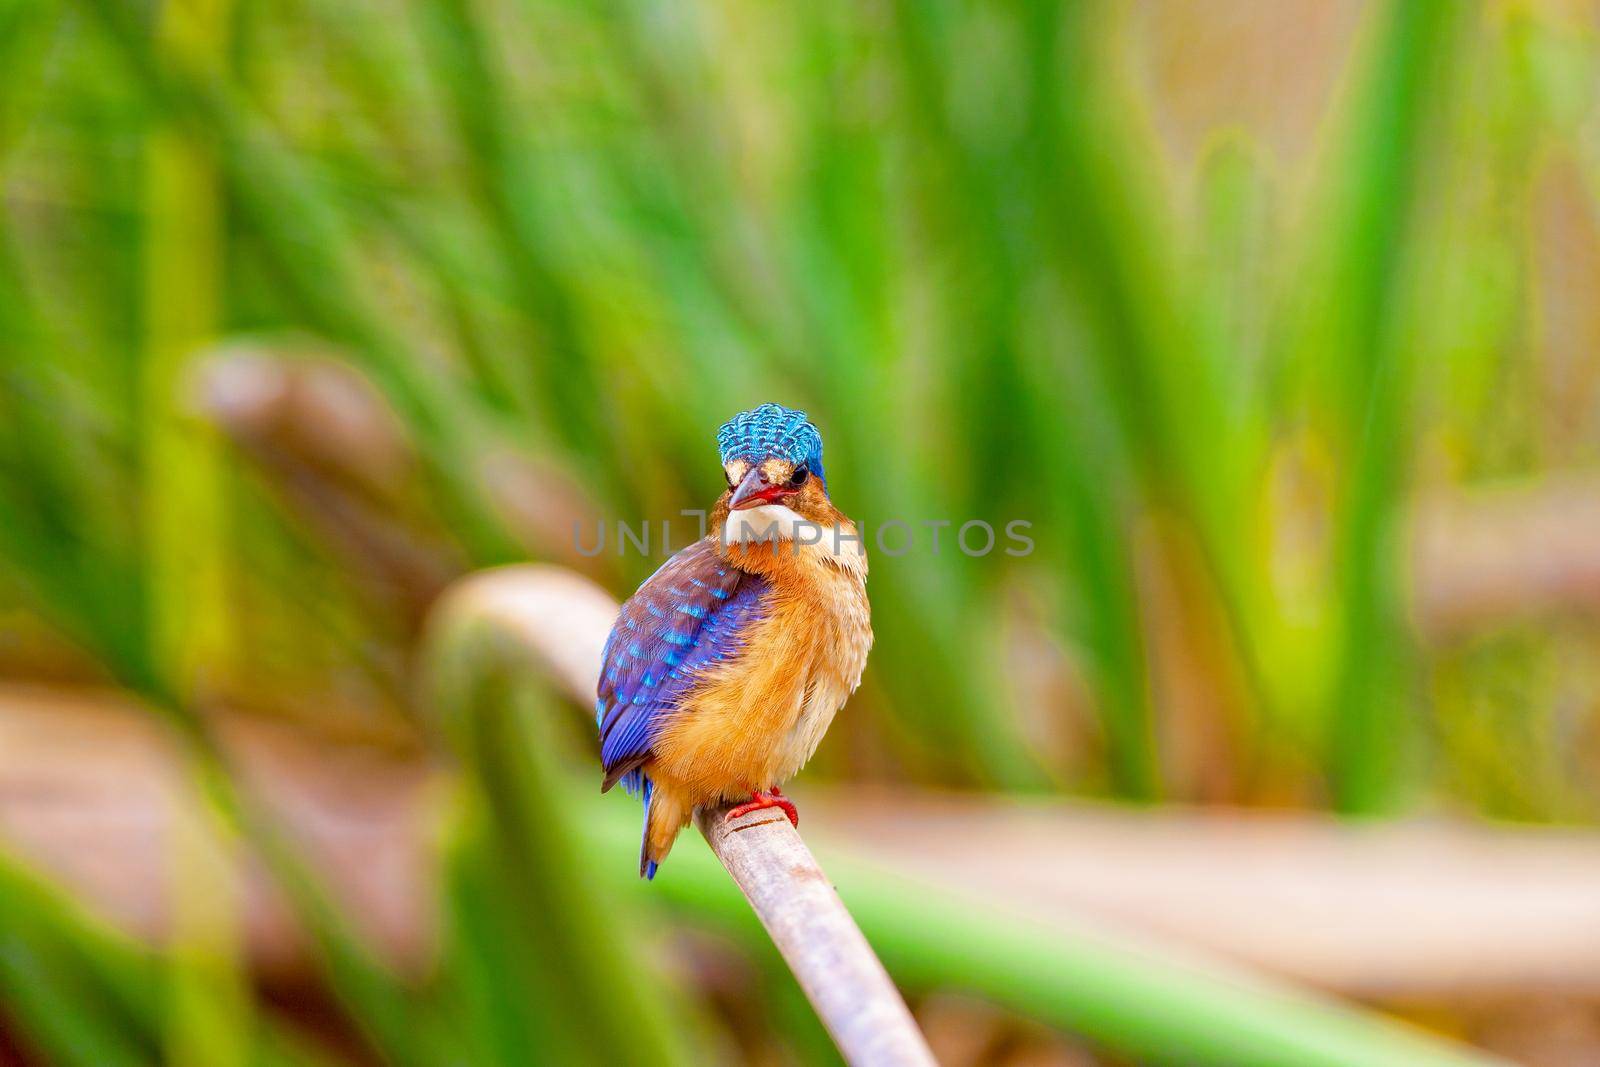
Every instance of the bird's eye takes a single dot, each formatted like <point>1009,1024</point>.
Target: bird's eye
<point>798,478</point>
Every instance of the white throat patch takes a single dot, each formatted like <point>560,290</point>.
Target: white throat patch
<point>769,522</point>
<point>841,545</point>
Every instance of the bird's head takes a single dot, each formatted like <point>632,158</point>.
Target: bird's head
<point>772,458</point>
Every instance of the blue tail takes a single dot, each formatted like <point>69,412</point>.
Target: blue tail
<point>647,866</point>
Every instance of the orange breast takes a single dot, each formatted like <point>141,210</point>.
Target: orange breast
<point>757,718</point>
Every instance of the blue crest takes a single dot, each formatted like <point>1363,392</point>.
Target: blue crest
<point>772,430</point>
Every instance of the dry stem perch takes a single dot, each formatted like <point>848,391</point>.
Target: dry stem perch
<point>561,620</point>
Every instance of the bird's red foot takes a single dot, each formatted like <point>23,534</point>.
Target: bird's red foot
<point>774,798</point>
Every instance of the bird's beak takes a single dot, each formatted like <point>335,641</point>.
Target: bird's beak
<point>753,491</point>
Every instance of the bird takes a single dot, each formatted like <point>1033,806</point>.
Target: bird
<point>725,668</point>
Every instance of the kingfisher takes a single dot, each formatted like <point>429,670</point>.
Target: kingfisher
<point>726,667</point>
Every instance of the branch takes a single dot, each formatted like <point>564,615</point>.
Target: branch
<point>816,935</point>
<point>560,621</point>
<point>1482,557</point>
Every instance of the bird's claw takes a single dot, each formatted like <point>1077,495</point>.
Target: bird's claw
<point>774,798</point>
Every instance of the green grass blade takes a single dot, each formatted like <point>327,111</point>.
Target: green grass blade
<point>1367,342</point>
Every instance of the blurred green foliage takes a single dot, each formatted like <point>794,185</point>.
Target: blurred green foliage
<point>962,235</point>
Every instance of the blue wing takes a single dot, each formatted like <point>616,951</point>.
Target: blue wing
<point>690,613</point>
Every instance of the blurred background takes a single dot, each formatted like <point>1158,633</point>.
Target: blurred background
<point>1275,318</point>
